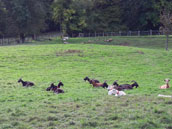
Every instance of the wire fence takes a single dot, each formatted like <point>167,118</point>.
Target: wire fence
<point>148,39</point>
<point>122,33</point>
<point>9,40</point>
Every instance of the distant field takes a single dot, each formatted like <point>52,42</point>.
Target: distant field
<point>153,42</point>
<point>142,59</point>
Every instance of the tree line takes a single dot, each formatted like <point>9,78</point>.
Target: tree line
<point>31,17</point>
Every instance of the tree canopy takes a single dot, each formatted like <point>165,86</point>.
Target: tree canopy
<point>29,17</point>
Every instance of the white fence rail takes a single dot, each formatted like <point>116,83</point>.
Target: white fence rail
<point>122,33</point>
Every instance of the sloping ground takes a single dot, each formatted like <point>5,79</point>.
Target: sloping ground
<point>82,106</point>
<point>148,42</point>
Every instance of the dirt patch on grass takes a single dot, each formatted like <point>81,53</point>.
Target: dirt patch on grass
<point>72,51</point>
<point>139,52</point>
<point>69,52</point>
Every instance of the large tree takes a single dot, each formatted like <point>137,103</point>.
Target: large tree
<point>2,19</point>
<point>166,19</point>
<point>105,15</point>
<point>70,14</point>
<point>25,17</point>
<point>50,24</point>
<point>140,14</point>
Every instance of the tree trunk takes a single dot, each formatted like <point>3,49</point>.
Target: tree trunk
<point>22,37</point>
<point>167,42</point>
<point>33,36</point>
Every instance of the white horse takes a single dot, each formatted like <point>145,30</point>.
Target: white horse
<point>110,87</point>
<point>116,92</point>
<point>65,38</point>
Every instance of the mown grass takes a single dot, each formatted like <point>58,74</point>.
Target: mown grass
<point>83,106</point>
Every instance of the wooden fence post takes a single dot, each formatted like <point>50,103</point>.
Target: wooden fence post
<point>151,32</point>
<point>119,33</point>
<point>8,41</point>
<point>2,41</point>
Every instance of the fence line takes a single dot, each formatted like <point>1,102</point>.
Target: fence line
<point>5,40</point>
<point>48,36</point>
<point>122,33</point>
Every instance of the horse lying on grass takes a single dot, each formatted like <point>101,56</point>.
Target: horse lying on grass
<point>125,86</point>
<point>90,80</point>
<point>104,85</point>
<point>26,83</point>
<point>113,91</point>
<point>56,89</point>
<point>116,92</point>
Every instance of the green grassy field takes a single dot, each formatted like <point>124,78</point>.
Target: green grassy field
<point>82,106</point>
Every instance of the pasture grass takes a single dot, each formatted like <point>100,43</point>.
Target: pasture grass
<point>82,106</point>
<point>151,42</point>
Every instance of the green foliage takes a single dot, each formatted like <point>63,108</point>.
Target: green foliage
<point>25,16</point>
<point>166,19</point>
<point>140,15</point>
<point>70,15</point>
<point>2,19</point>
<point>108,15</point>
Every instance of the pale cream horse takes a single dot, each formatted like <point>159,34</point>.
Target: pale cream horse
<point>166,84</point>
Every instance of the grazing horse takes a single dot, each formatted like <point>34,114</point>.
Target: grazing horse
<point>26,83</point>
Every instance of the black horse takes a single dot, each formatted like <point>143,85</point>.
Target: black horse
<point>55,88</point>
<point>26,83</point>
<point>90,80</point>
<point>126,86</point>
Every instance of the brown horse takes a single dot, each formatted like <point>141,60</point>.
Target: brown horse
<point>89,80</point>
<point>104,85</point>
